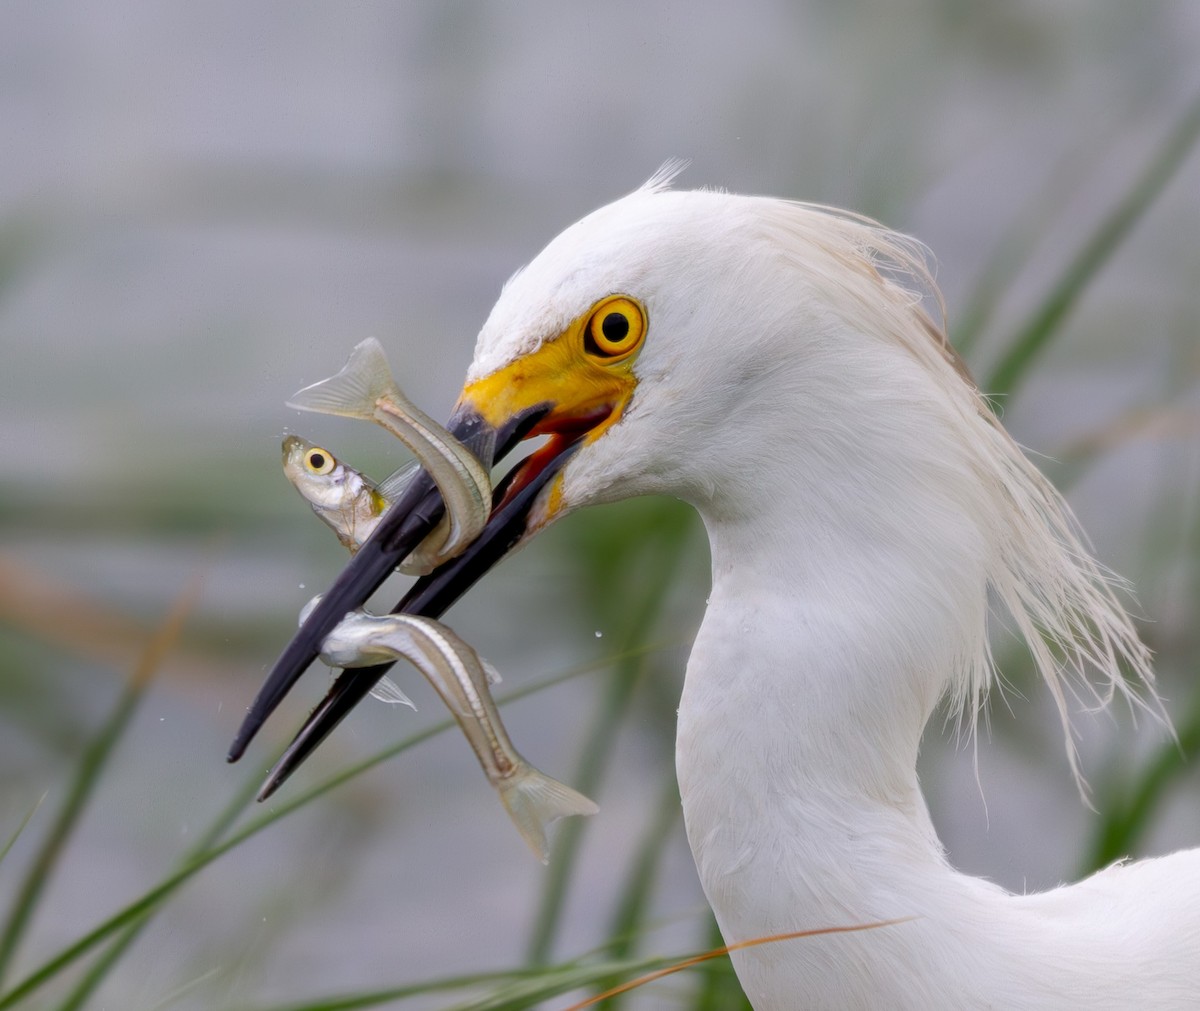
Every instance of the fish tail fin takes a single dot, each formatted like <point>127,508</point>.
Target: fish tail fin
<point>534,801</point>
<point>355,390</point>
<point>386,690</point>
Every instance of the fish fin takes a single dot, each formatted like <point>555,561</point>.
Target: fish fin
<point>534,801</point>
<point>355,390</point>
<point>308,608</point>
<point>493,675</point>
<point>386,690</point>
<point>396,484</point>
<point>345,538</point>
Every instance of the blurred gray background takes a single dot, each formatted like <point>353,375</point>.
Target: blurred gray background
<point>203,207</point>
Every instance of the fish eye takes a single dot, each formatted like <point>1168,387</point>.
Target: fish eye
<point>318,462</point>
<point>615,328</point>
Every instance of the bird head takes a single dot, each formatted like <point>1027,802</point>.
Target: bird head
<point>670,342</point>
<point>597,335</point>
<point>660,339</point>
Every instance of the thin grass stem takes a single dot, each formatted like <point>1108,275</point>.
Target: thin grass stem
<point>723,950</point>
<point>151,898</point>
<point>1014,247</point>
<point>634,901</point>
<point>21,828</point>
<point>1045,321</point>
<point>720,991</point>
<point>91,763</point>
<point>353,1002</point>
<point>1125,823</point>
<point>597,749</point>
<point>104,964</point>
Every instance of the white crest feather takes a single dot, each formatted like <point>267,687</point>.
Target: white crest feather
<point>665,175</point>
<point>1061,600</point>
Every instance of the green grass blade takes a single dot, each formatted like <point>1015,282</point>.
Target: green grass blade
<point>1014,247</point>
<point>523,994</point>
<point>519,989</point>
<point>95,975</point>
<point>597,749</point>
<point>720,990</point>
<point>374,998</point>
<point>140,907</point>
<point>580,975</point>
<point>593,763</point>
<point>1125,822</point>
<point>87,774</point>
<point>21,828</point>
<point>174,995</point>
<point>149,900</point>
<point>630,916</point>
<point>1033,337</point>
<point>1134,802</point>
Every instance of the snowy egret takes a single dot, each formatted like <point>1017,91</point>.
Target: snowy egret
<point>767,362</point>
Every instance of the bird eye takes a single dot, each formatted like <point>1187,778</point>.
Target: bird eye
<point>318,461</point>
<point>615,328</point>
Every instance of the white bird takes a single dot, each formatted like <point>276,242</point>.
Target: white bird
<point>767,362</point>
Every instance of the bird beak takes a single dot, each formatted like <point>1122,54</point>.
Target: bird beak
<point>544,393</point>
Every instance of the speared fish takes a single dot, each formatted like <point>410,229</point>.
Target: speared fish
<point>349,502</point>
<point>365,388</point>
<point>458,674</point>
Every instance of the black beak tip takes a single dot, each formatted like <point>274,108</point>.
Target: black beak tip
<point>402,529</point>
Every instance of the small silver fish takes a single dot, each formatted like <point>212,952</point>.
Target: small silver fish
<point>364,388</point>
<point>350,503</point>
<point>533,800</point>
<point>385,690</point>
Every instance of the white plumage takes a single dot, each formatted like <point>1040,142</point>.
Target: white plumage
<point>862,504</point>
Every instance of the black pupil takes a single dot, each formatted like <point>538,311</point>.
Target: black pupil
<point>316,461</point>
<point>615,327</point>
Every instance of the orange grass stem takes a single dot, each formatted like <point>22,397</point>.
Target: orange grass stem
<point>687,963</point>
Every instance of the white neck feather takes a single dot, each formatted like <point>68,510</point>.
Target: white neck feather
<point>846,601</point>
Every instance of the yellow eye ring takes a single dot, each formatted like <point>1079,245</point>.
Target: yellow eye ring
<point>615,328</point>
<point>318,461</point>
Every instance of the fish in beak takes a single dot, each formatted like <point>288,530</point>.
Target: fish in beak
<point>570,389</point>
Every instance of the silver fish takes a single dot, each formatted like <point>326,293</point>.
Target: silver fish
<point>349,502</point>
<point>364,388</point>
<point>533,800</point>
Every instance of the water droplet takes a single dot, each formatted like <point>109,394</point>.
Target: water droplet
<point>302,586</point>
<point>599,634</point>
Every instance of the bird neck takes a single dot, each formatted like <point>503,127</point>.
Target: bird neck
<point>823,668</point>
<point>844,605</point>
<point>810,682</point>
<point>833,628</point>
